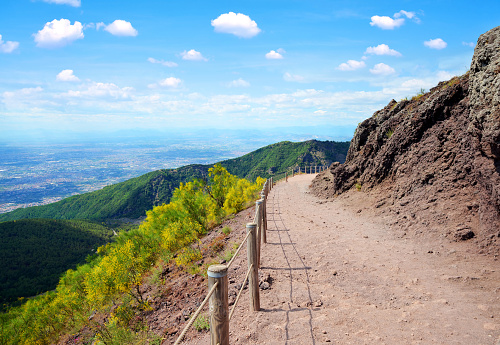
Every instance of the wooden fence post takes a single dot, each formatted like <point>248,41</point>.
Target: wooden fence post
<point>263,214</point>
<point>258,204</point>
<point>264,218</point>
<point>218,305</point>
<point>253,279</point>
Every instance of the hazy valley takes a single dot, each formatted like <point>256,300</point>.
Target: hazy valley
<point>44,171</point>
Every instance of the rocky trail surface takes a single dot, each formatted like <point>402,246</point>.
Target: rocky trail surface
<point>336,272</point>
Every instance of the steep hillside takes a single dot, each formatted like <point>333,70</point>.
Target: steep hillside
<point>35,252</point>
<point>434,160</point>
<point>132,198</point>
<point>278,157</point>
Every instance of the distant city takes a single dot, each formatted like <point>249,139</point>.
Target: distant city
<point>41,172</point>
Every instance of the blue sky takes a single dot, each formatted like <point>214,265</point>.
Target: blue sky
<point>88,65</point>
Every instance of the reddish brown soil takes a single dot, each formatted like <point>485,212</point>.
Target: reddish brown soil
<point>178,296</point>
<point>341,273</point>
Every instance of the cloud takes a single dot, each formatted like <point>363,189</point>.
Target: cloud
<point>382,69</point>
<point>409,15</point>
<point>238,83</point>
<point>192,55</point>
<point>274,55</point>
<point>31,100</point>
<point>237,24</point>
<point>469,44</point>
<point>67,75</point>
<point>26,92</point>
<point>436,43</point>
<point>101,90</point>
<point>58,33</point>
<point>382,49</point>
<point>119,28</point>
<point>351,65</point>
<point>169,83</point>
<point>74,3</point>
<point>8,47</point>
<point>292,77</point>
<point>162,62</point>
<point>386,23</point>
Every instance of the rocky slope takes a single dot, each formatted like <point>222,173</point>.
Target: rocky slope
<point>434,160</point>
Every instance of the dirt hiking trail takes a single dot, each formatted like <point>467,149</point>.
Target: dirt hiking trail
<point>339,275</point>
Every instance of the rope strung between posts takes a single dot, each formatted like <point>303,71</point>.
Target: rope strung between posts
<point>256,233</point>
<point>239,293</point>
<point>193,318</point>
<point>238,250</point>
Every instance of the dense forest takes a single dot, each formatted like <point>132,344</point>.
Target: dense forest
<point>35,252</point>
<point>132,198</point>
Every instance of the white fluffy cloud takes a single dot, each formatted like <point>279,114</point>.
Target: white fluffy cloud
<point>351,65</point>
<point>58,33</point>
<point>101,90</point>
<point>386,23</point>
<point>239,83</point>
<point>292,77</point>
<point>30,99</point>
<point>469,44</point>
<point>67,75</point>
<point>8,47</point>
<point>237,24</point>
<point>74,3</point>
<point>193,55</point>
<point>274,55</point>
<point>382,49</point>
<point>409,15</point>
<point>120,28</point>
<point>382,69</point>
<point>26,92</point>
<point>169,83</point>
<point>162,62</point>
<point>436,43</point>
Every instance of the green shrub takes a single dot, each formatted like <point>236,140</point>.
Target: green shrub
<point>201,323</point>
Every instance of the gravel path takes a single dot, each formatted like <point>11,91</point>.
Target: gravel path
<point>339,275</point>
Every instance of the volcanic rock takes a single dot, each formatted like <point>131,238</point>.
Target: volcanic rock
<point>434,160</point>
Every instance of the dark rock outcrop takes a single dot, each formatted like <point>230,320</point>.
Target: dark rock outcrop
<point>434,160</point>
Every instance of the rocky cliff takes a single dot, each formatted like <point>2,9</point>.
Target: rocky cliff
<point>434,160</point>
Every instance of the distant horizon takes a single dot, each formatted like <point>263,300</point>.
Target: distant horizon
<point>292,133</point>
<point>82,65</point>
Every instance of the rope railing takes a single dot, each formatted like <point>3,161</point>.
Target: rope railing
<point>239,292</point>
<point>195,315</point>
<point>217,296</point>
<point>237,251</point>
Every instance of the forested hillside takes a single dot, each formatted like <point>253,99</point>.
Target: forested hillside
<point>132,198</point>
<point>35,252</point>
<point>275,158</point>
<point>102,302</point>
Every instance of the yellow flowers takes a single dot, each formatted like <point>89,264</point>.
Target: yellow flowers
<point>118,268</point>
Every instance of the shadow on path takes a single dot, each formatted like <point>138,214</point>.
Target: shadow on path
<point>290,253</point>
